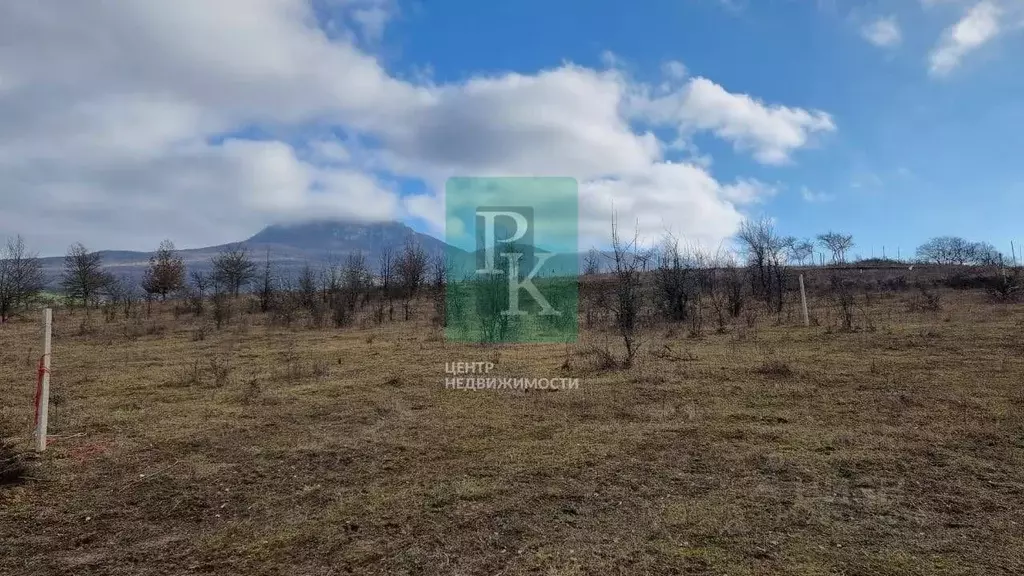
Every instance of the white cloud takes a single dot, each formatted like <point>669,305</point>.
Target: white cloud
<point>884,32</point>
<point>770,132</point>
<point>674,70</point>
<point>114,115</point>
<point>979,25</point>
<point>814,197</point>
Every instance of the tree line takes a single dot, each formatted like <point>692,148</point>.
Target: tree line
<point>331,291</point>
<point>400,274</point>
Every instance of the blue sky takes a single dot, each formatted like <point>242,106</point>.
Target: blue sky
<point>125,123</point>
<point>914,155</point>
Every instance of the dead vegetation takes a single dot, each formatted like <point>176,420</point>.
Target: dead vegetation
<point>884,440</point>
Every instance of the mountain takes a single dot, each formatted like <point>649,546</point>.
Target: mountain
<point>288,246</point>
<point>333,238</point>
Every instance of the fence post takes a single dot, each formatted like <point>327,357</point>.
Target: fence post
<point>43,383</point>
<point>803,301</point>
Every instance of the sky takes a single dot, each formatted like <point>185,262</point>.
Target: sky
<point>124,122</point>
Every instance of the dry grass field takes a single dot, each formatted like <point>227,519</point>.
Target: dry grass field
<point>770,448</point>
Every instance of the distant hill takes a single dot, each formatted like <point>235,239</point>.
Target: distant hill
<point>289,248</point>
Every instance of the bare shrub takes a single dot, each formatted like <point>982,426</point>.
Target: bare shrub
<point>220,370</point>
<point>196,293</point>
<point>842,299</point>
<point>155,328</point>
<point>924,300</point>
<point>410,273</point>
<point>672,280</point>
<point>222,309</point>
<point>321,368</point>
<point>14,465</point>
<point>384,306</point>
<point>252,391</point>
<point>86,327</point>
<point>774,367</point>
<point>628,258</point>
<point>190,375</point>
<point>267,285</point>
<point>1005,286</point>
<point>439,270</point>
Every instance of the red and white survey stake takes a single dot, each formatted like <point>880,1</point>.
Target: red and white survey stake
<point>42,403</point>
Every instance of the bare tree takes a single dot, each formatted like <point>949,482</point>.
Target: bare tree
<point>21,276</point>
<point>801,250</point>
<point>766,253</point>
<point>197,291</point>
<point>985,254</point>
<point>440,268</point>
<point>954,250</point>
<point>592,263</point>
<point>355,280</point>
<point>83,277</point>
<point>166,271</point>
<point>233,269</point>
<point>267,286</point>
<point>307,287</point>
<point>726,287</point>
<point>672,279</point>
<point>122,295</point>
<point>837,243</point>
<point>330,279</point>
<point>628,260</point>
<point>385,274</point>
<point>410,271</point>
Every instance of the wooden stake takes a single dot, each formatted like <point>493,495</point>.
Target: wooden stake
<point>803,300</point>
<point>43,384</point>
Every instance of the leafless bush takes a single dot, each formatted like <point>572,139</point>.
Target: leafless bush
<point>284,308</point>
<point>86,327</point>
<point>628,259</point>
<point>672,280</point>
<point>196,293</point>
<point>1005,286</point>
<point>321,368</point>
<point>318,314</point>
<point>190,375</point>
<point>410,273</point>
<point>842,299</point>
<point>267,285</point>
<point>341,316</point>
<point>925,300</point>
<point>440,267</point>
<point>220,370</point>
<point>222,309</point>
<point>384,305</point>
<point>775,367</point>
<point>252,391</point>
<point>13,460</point>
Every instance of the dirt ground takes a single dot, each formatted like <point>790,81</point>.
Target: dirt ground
<point>770,448</point>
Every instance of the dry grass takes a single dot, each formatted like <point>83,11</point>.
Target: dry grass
<point>894,448</point>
